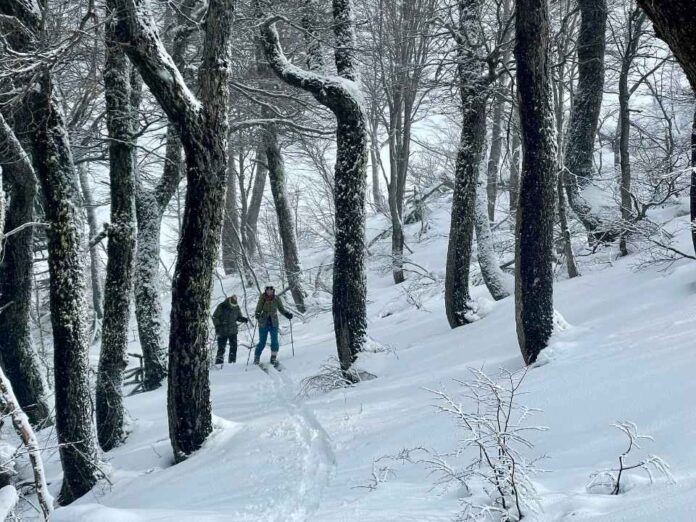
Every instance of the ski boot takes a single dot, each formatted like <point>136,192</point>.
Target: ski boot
<point>274,360</point>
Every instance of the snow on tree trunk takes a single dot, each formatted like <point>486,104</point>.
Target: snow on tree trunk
<point>535,213</point>
<point>202,127</point>
<point>95,273</point>
<point>73,409</point>
<point>584,118</point>
<point>19,360</point>
<point>150,206</point>
<point>288,240</point>
<point>342,96</point>
<point>499,284</point>
<point>110,412</point>
<point>472,87</point>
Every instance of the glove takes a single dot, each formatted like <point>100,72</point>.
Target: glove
<point>289,316</point>
<point>245,319</point>
<point>257,316</point>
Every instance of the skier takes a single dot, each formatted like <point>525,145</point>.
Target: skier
<point>267,316</point>
<point>225,318</point>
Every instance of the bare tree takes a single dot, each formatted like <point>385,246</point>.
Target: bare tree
<point>341,95</point>
<point>535,213</point>
<point>202,128</point>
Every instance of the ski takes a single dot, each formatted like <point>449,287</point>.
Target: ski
<point>263,367</point>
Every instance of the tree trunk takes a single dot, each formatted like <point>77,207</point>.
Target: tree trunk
<point>499,284</point>
<point>95,273</point>
<point>472,87</point>
<point>254,207</point>
<point>565,231</point>
<point>584,118</point>
<point>19,360</point>
<point>56,172</point>
<point>291,257</point>
<point>535,214</point>
<point>625,158</point>
<point>493,168</point>
<point>150,206</point>
<point>230,227</point>
<point>349,283</point>
<point>119,267</point>
<point>515,169</point>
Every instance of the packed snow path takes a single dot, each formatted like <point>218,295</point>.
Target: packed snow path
<point>315,454</point>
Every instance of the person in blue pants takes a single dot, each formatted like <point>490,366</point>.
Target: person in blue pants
<point>267,316</point>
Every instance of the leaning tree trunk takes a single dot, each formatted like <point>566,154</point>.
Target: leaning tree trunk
<point>150,206</point>
<point>110,411</point>
<point>251,221</point>
<point>338,94</point>
<point>584,118</point>
<point>276,175</point>
<point>499,284</point>
<point>19,360</point>
<point>472,87</point>
<point>536,210</point>
<point>73,408</point>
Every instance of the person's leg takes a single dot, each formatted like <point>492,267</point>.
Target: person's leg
<point>263,336</point>
<point>220,355</point>
<point>275,346</point>
<point>233,349</point>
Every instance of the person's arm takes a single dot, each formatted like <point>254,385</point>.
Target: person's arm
<point>259,308</point>
<point>282,310</point>
<point>240,317</point>
<point>216,316</point>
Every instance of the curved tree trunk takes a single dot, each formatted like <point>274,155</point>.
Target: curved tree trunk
<point>349,278</point>
<point>584,118</point>
<point>291,257</point>
<point>536,210</point>
<point>19,361</point>
<point>472,87</point>
<point>110,411</point>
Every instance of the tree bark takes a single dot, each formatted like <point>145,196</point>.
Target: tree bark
<point>95,273</point>
<point>110,411</point>
<point>493,168</point>
<point>584,118</point>
<point>202,127</point>
<point>230,228</point>
<point>56,172</point>
<point>288,240</point>
<point>338,94</point>
<point>472,88</point>
<point>19,360</point>
<point>536,210</point>
<point>150,206</point>
<point>254,206</point>
<point>515,168</point>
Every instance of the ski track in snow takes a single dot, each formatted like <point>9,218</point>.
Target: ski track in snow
<point>318,461</point>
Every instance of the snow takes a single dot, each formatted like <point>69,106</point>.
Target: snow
<point>622,350</point>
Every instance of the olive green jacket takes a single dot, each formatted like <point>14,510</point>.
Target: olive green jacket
<point>226,317</point>
<point>269,309</point>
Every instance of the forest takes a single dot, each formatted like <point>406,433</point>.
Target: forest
<point>465,229</point>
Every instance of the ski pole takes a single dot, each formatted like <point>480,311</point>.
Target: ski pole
<point>292,340</point>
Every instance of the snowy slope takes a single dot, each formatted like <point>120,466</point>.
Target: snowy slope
<point>627,354</point>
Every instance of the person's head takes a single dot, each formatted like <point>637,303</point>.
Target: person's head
<point>232,299</point>
<point>269,291</point>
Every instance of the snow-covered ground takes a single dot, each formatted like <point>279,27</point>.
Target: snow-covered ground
<point>627,354</point>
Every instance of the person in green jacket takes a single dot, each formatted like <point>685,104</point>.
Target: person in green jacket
<point>267,316</point>
<point>225,318</point>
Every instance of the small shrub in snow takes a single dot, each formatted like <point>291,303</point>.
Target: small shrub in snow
<point>332,377</point>
<point>609,481</point>
<point>495,431</point>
